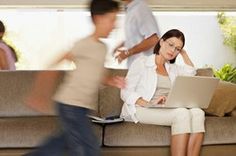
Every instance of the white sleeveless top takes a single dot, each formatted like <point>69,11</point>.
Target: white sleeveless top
<point>162,88</point>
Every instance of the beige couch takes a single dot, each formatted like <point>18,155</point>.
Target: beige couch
<point>22,129</point>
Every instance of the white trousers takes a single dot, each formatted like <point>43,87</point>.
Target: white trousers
<point>181,120</point>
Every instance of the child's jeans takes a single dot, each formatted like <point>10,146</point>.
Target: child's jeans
<point>77,137</point>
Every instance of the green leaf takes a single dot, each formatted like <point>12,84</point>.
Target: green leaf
<point>226,73</point>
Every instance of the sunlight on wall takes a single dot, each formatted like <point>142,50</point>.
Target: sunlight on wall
<point>42,35</point>
<point>204,38</point>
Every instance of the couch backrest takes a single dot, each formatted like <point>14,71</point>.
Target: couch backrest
<point>109,101</point>
<point>14,86</point>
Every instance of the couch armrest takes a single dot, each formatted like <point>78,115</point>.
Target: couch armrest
<point>205,72</point>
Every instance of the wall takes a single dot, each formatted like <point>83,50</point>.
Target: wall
<point>154,4</point>
<point>203,36</point>
<point>43,35</point>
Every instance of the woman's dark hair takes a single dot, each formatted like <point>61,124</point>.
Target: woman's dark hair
<point>2,30</point>
<point>101,7</point>
<point>171,33</point>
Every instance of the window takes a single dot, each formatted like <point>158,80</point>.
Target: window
<point>41,35</point>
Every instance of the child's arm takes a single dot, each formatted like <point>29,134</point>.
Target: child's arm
<point>42,89</point>
<point>67,56</point>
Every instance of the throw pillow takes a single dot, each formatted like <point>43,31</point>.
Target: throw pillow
<point>223,100</point>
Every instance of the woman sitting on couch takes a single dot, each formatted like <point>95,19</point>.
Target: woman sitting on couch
<point>149,79</point>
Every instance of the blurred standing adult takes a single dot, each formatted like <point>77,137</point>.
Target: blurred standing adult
<point>141,31</point>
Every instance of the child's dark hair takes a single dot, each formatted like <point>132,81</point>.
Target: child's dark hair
<point>100,7</point>
<point>171,33</point>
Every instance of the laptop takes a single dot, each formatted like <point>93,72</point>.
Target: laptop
<point>189,92</point>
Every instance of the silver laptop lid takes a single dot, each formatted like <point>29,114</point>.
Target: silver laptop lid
<point>191,92</point>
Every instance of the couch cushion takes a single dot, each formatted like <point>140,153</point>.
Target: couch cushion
<point>14,87</point>
<point>25,132</point>
<point>131,134</point>
<point>223,100</point>
<point>219,130</point>
<point>109,97</point>
<point>28,132</point>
